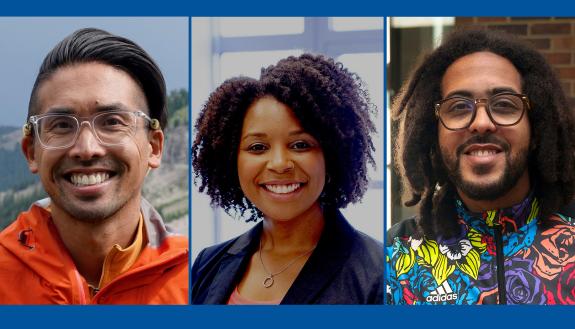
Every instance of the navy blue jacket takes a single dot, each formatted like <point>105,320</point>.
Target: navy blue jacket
<point>346,267</point>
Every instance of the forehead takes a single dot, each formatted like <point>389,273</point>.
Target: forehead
<point>478,74</point>
<point>268,112</point>
<point>85,87</point>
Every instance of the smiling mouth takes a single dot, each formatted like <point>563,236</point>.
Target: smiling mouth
<point>81,179</point>
<point>482,153</point>
<point>478,150</point>
<point>282,188</point>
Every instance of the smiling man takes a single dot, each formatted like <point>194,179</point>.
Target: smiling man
<point>94,130</point>
<point>486,149</point>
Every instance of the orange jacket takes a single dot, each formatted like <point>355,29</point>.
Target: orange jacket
<point>36,268</point>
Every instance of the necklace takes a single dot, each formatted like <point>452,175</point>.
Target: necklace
<point>269,279</point>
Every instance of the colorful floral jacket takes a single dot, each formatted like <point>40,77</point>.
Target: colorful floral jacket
<point>505,256</point>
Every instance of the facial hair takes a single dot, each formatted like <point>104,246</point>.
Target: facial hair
<point>78,210</point>
<point>515,167</point>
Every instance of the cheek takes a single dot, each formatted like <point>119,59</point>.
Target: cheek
<point>247,171</point>
<point>446,139</point>
<point>315,166</point>
<point>520,137</point>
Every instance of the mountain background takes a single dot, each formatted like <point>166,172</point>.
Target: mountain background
<point>166,187</point>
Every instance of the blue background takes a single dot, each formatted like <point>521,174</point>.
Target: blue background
<point>19,317</point>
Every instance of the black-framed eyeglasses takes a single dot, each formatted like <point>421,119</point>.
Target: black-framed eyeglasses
<point>504,109</point>
<point>59,130</point>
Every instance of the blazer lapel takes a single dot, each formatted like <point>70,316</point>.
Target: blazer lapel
<point>329,256</point>
<point>233,266</point>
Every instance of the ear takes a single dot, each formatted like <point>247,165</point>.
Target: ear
<point>156,141</point>
<point>28,150</point>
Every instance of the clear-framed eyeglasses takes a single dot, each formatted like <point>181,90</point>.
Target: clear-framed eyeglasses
<point>504,109</point>
<point>59,131</point>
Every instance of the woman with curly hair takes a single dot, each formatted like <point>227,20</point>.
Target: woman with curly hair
<point>291,149</point>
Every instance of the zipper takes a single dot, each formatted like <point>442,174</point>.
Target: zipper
<point>174,259</point>
<point>500,264</point>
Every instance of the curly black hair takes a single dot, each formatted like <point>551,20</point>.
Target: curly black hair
<point>417,157</point>
<point>331,104</point>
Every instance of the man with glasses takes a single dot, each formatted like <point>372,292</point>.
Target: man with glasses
<point>486,150</point>
<point>94,130</point>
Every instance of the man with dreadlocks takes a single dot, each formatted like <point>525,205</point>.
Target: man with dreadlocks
<point>486,150</point>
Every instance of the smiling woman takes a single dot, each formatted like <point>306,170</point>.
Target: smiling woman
<point>291,149</point>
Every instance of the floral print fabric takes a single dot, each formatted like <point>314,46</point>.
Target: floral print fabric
<point>538,263</point>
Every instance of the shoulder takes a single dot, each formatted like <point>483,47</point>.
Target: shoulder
<point>210,257</point>
<point>358,262</point>
<point>368,248</point>
<point>403,229</point>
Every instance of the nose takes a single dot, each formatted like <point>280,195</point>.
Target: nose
<point>280,161</point>
<point>87,145</point>
<point>482,123</point>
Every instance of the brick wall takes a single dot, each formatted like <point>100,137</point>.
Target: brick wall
<point>553,36</point>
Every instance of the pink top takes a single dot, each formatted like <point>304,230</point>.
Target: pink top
<point>237,299</point>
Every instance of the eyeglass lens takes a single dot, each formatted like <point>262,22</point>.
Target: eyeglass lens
<point>458,112</point>
<point>111,128</point>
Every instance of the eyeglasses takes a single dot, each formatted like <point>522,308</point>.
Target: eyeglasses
<point>59,131</point>
<point>505,109</point>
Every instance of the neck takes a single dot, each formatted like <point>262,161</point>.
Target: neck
<point>90,242</point>
<point>512,197</point>
<point>294,235</point>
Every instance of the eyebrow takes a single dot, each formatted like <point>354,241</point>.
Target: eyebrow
<point>99,109</point>
<point>291,133</point>
<point>494,91</point>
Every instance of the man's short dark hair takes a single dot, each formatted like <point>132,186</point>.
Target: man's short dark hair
<point>552,151</point>
<point>94,45</point>
<point>329,101</point>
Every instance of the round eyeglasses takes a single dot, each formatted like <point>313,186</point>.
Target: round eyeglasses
<point>59,131</point>
<point>504,109</point>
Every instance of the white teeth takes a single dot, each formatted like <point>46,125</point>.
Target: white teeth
<point>482,153</point>
<point>283,189</point>
<point>91,179</point>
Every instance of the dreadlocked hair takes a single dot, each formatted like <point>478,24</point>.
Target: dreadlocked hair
<point>330,103</point>
<point>417,157</point>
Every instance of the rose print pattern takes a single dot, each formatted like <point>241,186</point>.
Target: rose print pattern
<point>538,262</point>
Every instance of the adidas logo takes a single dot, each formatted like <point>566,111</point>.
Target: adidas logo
<point>441,294</point>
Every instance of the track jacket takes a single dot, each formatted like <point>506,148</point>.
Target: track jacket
<point>36,268</point>
<point>505,256</point>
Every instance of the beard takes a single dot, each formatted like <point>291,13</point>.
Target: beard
<point>91,209</point>
<point>515,167</point>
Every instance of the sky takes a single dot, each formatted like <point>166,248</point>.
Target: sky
<point>24,41</point>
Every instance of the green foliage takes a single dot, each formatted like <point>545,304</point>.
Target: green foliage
<point>178,118</point>
<point>14,173</point>
<point>178,108</point>
<point>11,206</point>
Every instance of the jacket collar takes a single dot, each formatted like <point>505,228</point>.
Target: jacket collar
<point>328,257</point>
<point>511,219</point>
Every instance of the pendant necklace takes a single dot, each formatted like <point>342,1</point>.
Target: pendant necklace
<point>269,279</point>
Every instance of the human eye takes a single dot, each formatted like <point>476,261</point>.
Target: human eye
<point>300,145</point>
<point>257,148</point>
<point>57,124</point>
<point>113,121</point>
<point>504,104</point>
<point>459,107</point>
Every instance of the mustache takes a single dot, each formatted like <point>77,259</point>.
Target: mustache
<point>483,139</point>
<point>107,162</point>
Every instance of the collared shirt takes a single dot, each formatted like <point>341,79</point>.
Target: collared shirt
<point>119,259</point>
